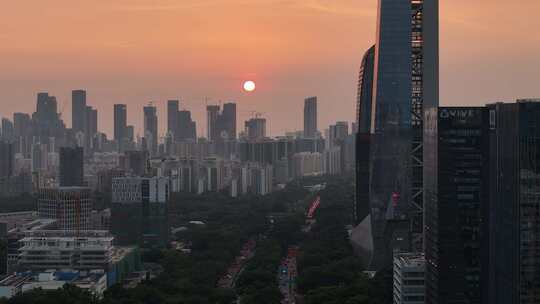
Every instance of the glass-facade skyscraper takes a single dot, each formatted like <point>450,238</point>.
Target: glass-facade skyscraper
<point>456,147</point>
<point>151,128</point>
<point>405,84</point>
<point>514,211</point>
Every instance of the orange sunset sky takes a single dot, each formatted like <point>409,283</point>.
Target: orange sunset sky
<point>135,51</point>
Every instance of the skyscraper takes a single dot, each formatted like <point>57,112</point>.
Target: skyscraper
<point>256,128</point>
<point>6,159</point>
<point>151,128</point>
<point>310,117</point>
<point>405,84</point>
<point>71,167</point>
<point>172,117</point>
<point>91,128</point>
<point>228,120</point>
<point>186,126</point>
<point>456,152</point>
<point>363,118</point>
<point>78,110</point>
<point>120,124</point>
<point>212,127</point>
<point>7,130</point>
<point>514,190</point>
<point>22,129</point>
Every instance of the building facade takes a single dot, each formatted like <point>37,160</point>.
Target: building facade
<point>71,207</point>
<point>456,158</point>
<point>405,84</point>
<point>139,211</point>
<point>310,117</point>
<point>514,190</point>
<point>71,167</point>
<point>409,286</point>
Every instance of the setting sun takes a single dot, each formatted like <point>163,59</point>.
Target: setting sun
<point>249,86</point>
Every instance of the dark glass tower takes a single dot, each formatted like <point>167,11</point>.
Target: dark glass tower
<point>212,126</point>
<point>120,124</point>
<point>456,152</point>
<point>151,128</point>
<point>363,117</point>
<point>172,117</point>
<point>310,117</point>
<point>78,110</point>
<point>514,211</point>
<point>71,167</point>
<point>6,159</point>
<point>405,84</point>
<point>228,120</point>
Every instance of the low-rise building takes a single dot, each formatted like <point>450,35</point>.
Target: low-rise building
<point>62,249</point>
<point>409,283</point>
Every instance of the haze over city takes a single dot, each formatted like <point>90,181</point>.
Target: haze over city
<point>269,152</point>
<point>135,52</point>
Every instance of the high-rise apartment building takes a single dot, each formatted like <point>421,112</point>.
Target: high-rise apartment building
<point>71,167</point>
<point>151,128</point>
<point>456,152</point>
<point>187,128</point>
<point>310,117</point>
<point>221,125</point>
<point>255,128</point>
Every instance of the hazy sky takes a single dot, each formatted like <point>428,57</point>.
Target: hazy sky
<point>137,51</point>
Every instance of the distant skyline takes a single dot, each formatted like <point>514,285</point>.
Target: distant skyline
<point>134,52</point>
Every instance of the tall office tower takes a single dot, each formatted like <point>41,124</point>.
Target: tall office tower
<point>7,130</point>
<point>120,125</point>
<point>139,211</point>
<point>456,151</point>
<point>228,121</point>
<point>405,83</point>
<point>71,207</point>
<point>78,110</point>
<point>255,128</point>
<point>6,159</point>
<point>514,220</point>
<point>71,167</point>
<point>151,128</point>
<point>46,122</point>
<point>186,126</point>
<point>91,128</point>
<point>47,108</point>
<point>310,117</point>
<point>361,208</point>
<point>212,126</point>
<point>22,129</point>
<point>172,118</point>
